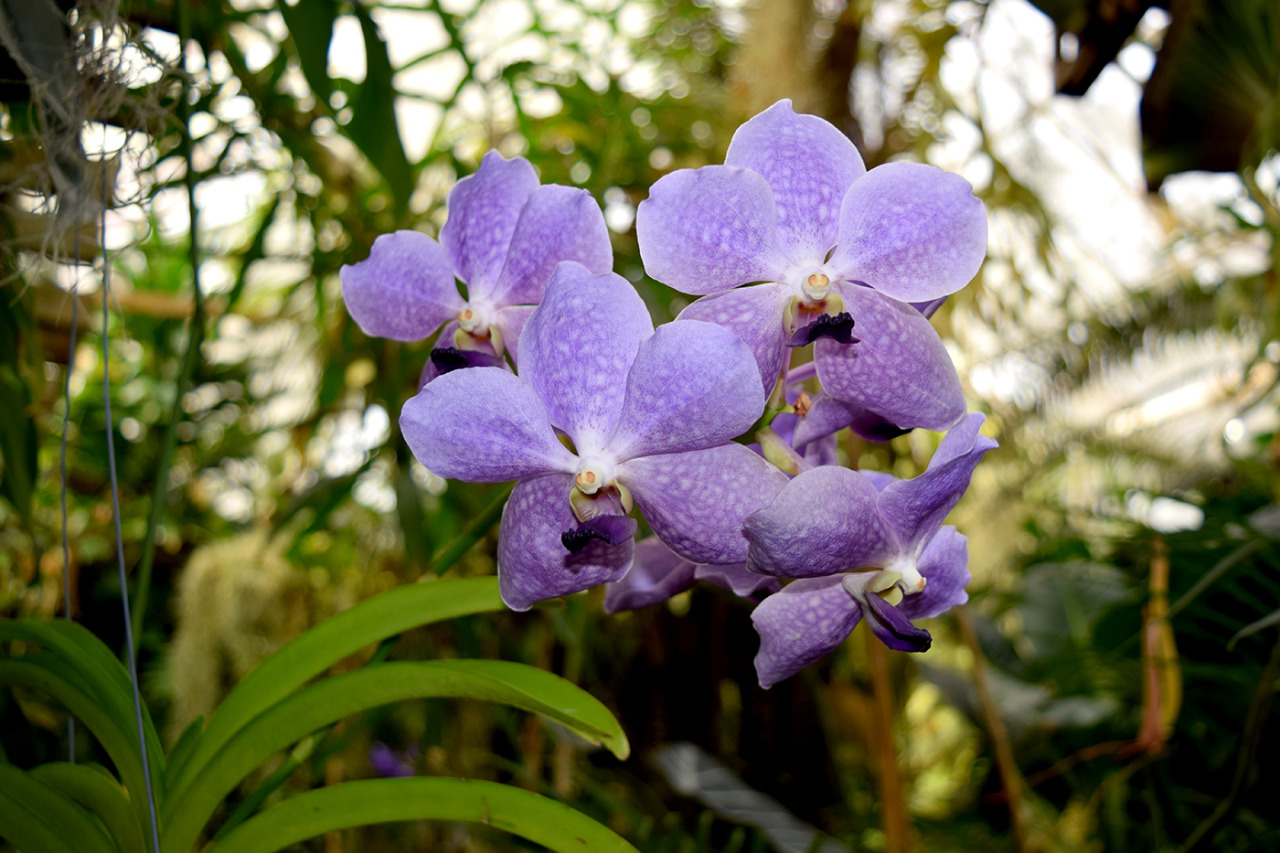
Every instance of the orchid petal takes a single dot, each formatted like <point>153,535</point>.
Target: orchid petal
<point>737,579</point>
<point>709,229</point>
<point>899,370</point>
<point>911,231</point>
<point>693,385</point>
<point>826,416</point>
<point>945,568</point>
<point>404,290</point>
<point>483,210</point>
<point>754,314</point>
<point>657,573</point>
<point>482,425</point>
<point>809,165</point>
<point>510,322</point>
<point>917,506</point>
<point>823,522</point>
<point>533,563</point>
<point>892,627</point>
<point>556,224</point>
<point>577,349</point>
<point>804,622</point>
<point>696,501</point>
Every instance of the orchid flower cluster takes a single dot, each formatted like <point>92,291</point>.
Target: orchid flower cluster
<point>551,374</point>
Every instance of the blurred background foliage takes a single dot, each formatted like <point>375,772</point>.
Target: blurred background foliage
<point>1108,688</point>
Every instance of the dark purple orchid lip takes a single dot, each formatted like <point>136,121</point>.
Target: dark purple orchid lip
<point>612,529</point>
<point>838,327</point>
<point>449,359</point>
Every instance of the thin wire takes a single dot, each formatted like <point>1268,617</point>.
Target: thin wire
<point>115,505</point>
<point>62,469</point>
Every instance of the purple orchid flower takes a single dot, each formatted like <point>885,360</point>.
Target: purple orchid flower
<point>649,413</point>
<point>658,573</point>
<point>503,238</point>
<point>830,524</point>
<point>841,251</point>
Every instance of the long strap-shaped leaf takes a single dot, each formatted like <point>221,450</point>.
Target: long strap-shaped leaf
<point>37,818</point>
<point>48,672</point>
<point>188,808</point>
<point>513,810</point>
<point>295,664</point>
<point>99,672</point>
<point>95,789</point>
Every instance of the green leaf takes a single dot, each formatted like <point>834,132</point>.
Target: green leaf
<point>38,819</point>
<point>92,665</point>
<point>1252,628</point>
<point>374,619</point>
<point>332,699</point>
<point>48,672</point>
<point>310,26</point>
<point>92,787</point>
<point>529,815</point>
<point>373,125</point>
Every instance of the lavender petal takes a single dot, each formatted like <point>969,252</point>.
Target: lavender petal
<point>533,563</point>
<point>510,322</point>
<point>404,290</point>
<point>803,623</point>
<point>911,231</point>
<point>707,230</point>
<point>577,349</point>
<point>945,568</point>
<point>696,501</point>
<point>693,385</point>
<point>823,522</point>
<point>483,210</point>
<point>754,314</point>
<point>657,573</point>
<point>899,370</point>
<point>736,578</point>
<point>482,425</point>
<point>892,627</point>
<point>809,165</point>
<point>556,224</point>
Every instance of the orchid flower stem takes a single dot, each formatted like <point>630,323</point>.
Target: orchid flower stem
<point>780,453</point>
<point>453,550</point>
<point>893,810</point>
<point>996,730</point>
<point>804,372</point>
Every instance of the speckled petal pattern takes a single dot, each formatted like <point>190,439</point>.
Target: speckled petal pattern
<point>482,425</point>
<point>825,521</point>
<point>916,507</point>
<point>693,385</point>
<point>511,322</point>
<point>709,229</point>
<point>533,564</point>
<point>696,501</point>
<point>899,370</point>
<point>800,625</point>
<point>911,231</point>
<point>577,349</point>
<point>556,224</point>
<point>483,210</point>
<point>404,290</point>
<point>754,314</point>
<point>809,165</point>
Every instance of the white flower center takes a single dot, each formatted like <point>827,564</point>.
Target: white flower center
<point>474,318</point>
<point>592,476</point>
<point>815,287</point>
<point>905,565</point>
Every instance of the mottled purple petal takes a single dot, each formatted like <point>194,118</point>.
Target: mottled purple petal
<point>803,623</point>
<point>826,415</point>
<point>404,290</point>
<point>917,506</point>
<point>511,322</point>
<point>737,579</point>
<point>482,425</point>
<point>929,307</point>
<point>754,314</point>
<point>911,231</point>
<point>696,501</point>
<point>825,521</point>
<point>879,479</point>
<point>483,210</point>
<point>809,165</point>
<point>533,564</point>
<point>892,627</point>
<point>556,224</point>
<point>945,567</point>
<point>611,529</point>
<point>693,385</point>
<point>899,370</point>
<point>657,573</point>
<point>577,349</point>
<point>709,229</point>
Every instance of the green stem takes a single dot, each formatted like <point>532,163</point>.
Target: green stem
<point>446,556</point>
